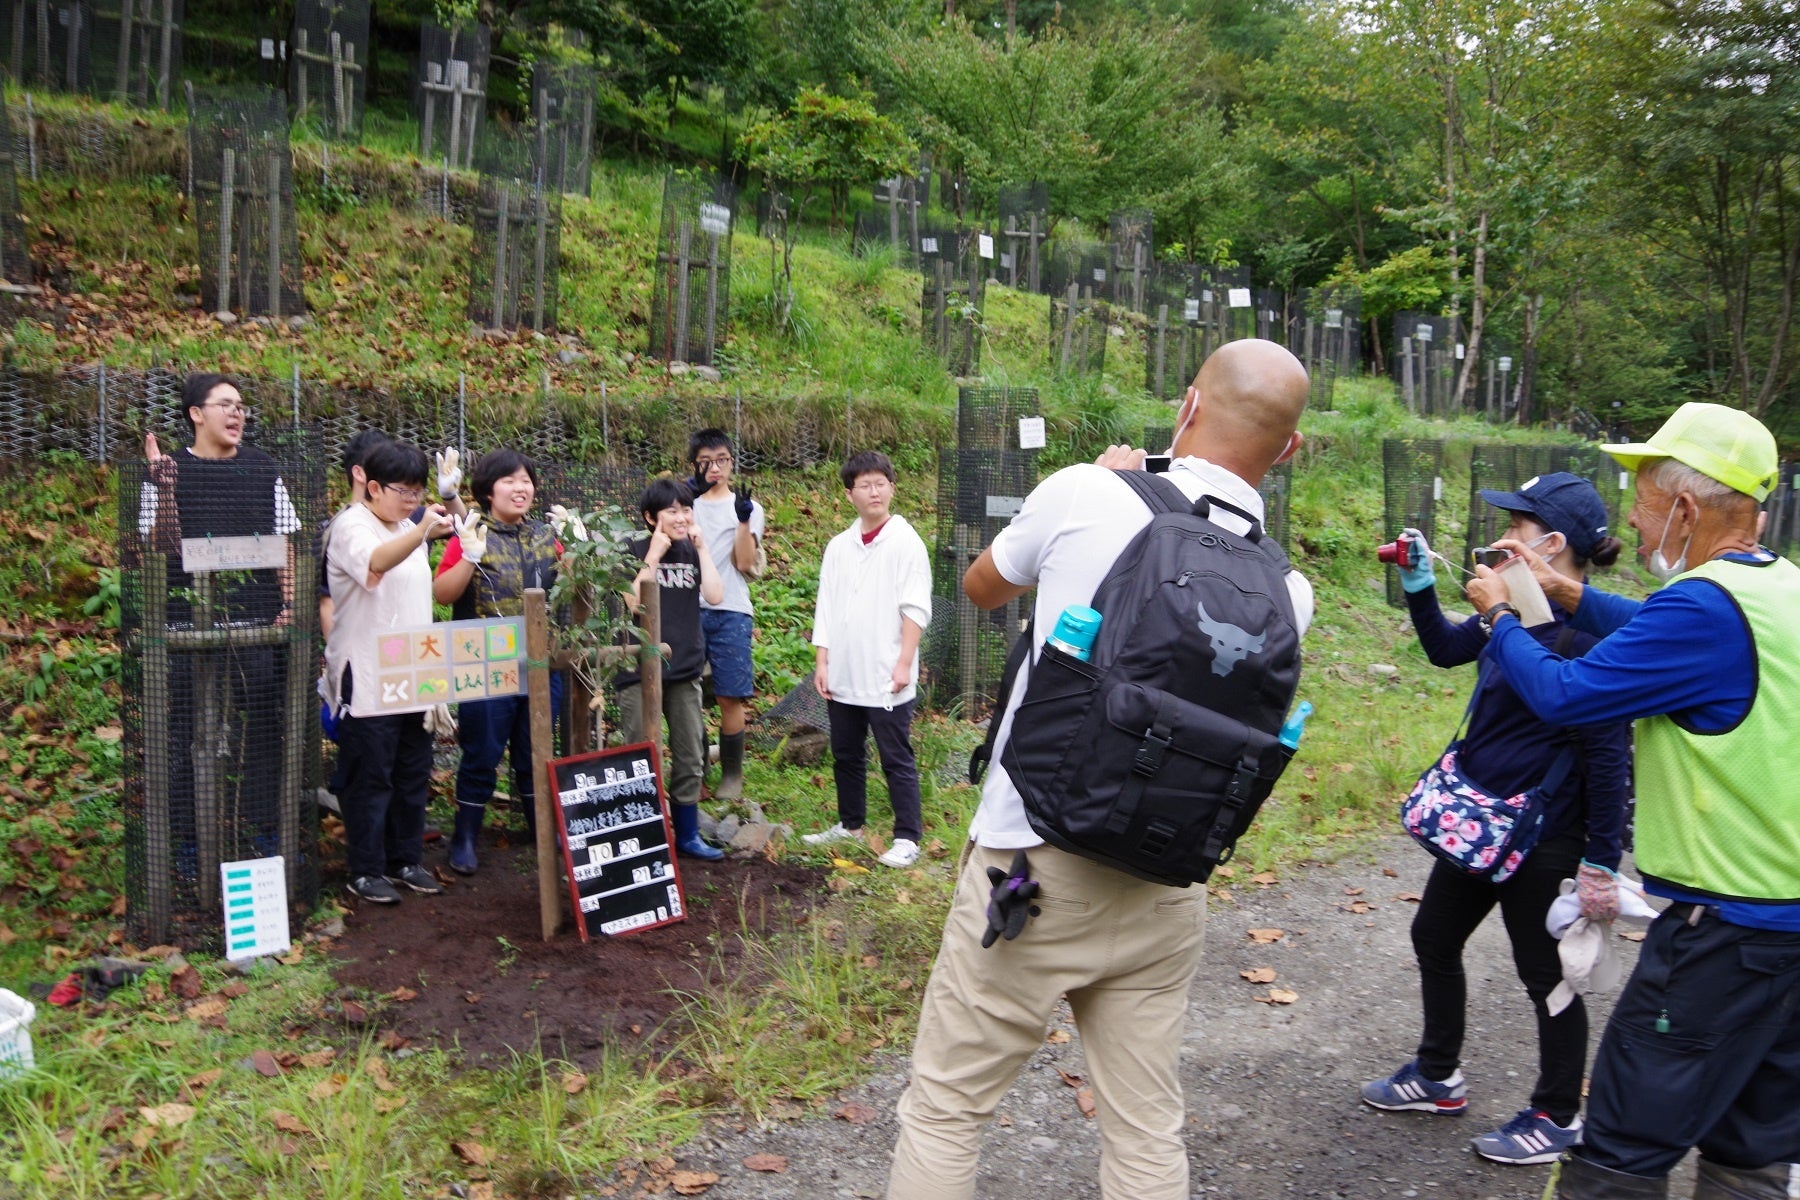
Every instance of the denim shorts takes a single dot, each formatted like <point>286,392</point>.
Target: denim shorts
<point>728,650</point>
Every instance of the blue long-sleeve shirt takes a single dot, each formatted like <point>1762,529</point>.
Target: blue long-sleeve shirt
<point>1685,652</point>
<point>1510,748</point>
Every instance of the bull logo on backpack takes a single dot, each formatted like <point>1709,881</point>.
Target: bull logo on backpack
<point>1230,643</point>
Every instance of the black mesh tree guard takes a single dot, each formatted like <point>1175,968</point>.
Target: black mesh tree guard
<point>1078,326</point>
<point>1024,228</point>
<point>1131,250</point>
<point>516,252</point>
<point>1508,466</point>
<point>951,297</point>
<point>1271,307</point>
<point>49,44</point>
<point>1412,478</point>
<point>896,220</point>
<point>1324,332</point>
<point>1175,341</point>
<point>220,713</point>
<point>1426,362</point>
<point>982,481</point>
<point>690,299</point>
<point>450,91</point>
<point>135,55</point>
<point>1236,301</point>
<point>328,65</point>
<point>15,250</point>
<point>1492,391</point>
<point>244,203</point>
<point>800,711</point>
<point>562,124</point>
<point>1782,534</point>
<point>1274,489</point>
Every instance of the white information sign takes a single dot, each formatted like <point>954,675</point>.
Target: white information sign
<point>1006,261</point>
<point>1437,487</point>
<point>1505,364</point>
<point>984,245</point>
<point>1460,351</point>
<point>928,245</point>
<point>1004,506</point>
<point>1334,318</point>
<point>1099,274</point>
<point>1031,433</point>
<point>201,555</point>
<point>268,49</point>
<point>1422,333</point>
<point>1238,297</point>
<point>1190,310</point>
<point>256,912</point>
<point>715,219</point>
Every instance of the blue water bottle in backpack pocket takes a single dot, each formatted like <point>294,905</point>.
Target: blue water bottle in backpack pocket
<point>1075,632</point>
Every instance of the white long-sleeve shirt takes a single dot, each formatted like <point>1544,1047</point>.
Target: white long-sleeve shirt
<point>864,591</point>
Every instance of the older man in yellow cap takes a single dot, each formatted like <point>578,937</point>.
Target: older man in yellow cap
<point>1703,1049</point>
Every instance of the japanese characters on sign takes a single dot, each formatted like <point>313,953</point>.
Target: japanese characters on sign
<point>619,856</point>
<point>450,661</point>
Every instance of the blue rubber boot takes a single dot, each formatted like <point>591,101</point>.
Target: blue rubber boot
<point>462,838</point>
<point>687,834</point>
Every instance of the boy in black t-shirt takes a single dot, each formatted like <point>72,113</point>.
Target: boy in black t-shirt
<point>676,562</point>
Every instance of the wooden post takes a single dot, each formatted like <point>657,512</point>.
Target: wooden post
<point>650,667</point>
<point>1406,374</point>
<point>168,47</point>
<point>712,294</point>
<point>966,544</point>
<point>274,195</point>
<point>537,684</point>
<point>339,123</point>
<point>433,72</point>
<point>43,42</point>
<point>501,271</point>
<point>208,727</point>
<point>18,41</point>
<point>301,58</point>
<point>158,832</point>
<point>123,78</point>
<point>1068,329</point>
<point>538,283</point>
<point>72,58</point>
<point>227,200</point>
<point>684,248</point>
<point>297,708</point>
<point>1162,351</point>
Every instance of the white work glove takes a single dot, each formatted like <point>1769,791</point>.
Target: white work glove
<point>449,473</point>
<point>567,524</point>
<point>440,722</point>
<point>473,536</point>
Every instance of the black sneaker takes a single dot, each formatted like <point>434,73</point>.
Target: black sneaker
<point>418,879</point>
<point>374,889</point>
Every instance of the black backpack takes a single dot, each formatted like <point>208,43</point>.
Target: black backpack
<point>1153,756</point>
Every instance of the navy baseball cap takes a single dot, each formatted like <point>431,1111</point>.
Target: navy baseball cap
<point>1560,501</point>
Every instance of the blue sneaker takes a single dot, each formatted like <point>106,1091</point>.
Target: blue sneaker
<point>1406,1089</point>
<point>1531,1137</point>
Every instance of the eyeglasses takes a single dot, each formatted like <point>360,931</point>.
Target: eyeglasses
<point>707,464</point>
<point>228,407</point>
<point>870,486</point>
<point>410,495</point>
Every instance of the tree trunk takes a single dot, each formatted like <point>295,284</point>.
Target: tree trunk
<point>1526,411</point>
<point>1477,315</point>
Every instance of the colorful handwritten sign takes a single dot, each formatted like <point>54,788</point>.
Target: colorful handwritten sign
<point>449,661</point>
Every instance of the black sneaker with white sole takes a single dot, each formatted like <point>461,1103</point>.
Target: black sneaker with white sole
<point>374,889</point>
<point>418,879</point>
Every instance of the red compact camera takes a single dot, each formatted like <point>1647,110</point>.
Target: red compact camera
<point>1399,552</point>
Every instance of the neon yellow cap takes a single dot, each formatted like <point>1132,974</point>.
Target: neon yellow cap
<point>1726,444</point>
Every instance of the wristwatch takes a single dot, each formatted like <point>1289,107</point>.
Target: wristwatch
<point>1491,615</point>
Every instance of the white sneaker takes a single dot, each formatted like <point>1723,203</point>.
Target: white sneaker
<point>837,833</point>
<point>903,853</point>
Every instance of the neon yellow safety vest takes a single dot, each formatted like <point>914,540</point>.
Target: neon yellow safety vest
<point>1719,813</point>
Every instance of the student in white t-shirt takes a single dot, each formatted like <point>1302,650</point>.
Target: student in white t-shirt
<point>381,579</point>
<point>732,524</point>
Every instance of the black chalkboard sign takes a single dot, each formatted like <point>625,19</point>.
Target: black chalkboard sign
<point>617,847</point>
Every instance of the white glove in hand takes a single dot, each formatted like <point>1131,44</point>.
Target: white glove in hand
<point>473,536</point>
<point>567,524</point>
<point>449,472</point>
<point>440,722</point>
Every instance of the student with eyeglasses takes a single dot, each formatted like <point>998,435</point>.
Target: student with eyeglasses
<point>732,524</point>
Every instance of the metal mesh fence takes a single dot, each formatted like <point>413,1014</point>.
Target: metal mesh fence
<point>450,91</point>
<point>1426,362</point>
<point>1175,337</point>
<point>690,299</point>
<point>135,51</point>
<point>951,299</point>
<point>1024,228</point>
<point>982,481</point>
<point>1131,251</point>
<point>49,44</point>
<point>328,65</point>
<point>1271,308</point>
<point>562,108</point>
<point>1508,466</point>
<point>1782,534</point>
<point>516,251</point>
<point>220,715</point>
<point>1492,393</point>
<point>1412,484</point>
<point>801,709</point>
<point>243,183</point>
<point>1325,334</point>
<point>585,488</point>
<point>1078,324</point>
<point>15,250</point>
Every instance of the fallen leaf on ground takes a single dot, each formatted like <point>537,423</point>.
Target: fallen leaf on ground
<point>774,1164</point>
<point>481,1191</point>
<point>319,1058</point>
<point>265,1064</point>
<point>330,1086</point>
<point>205,1079</point>
<point>1278,996</point>
<point>1265,936</point>
<point>403,994</point>
<point>473,1153</point>
<point>1070,1078</point>
<point>377,1069</point>
<point>692,1183</point>
<point>574,1082</point>
<point>855,1112</point>
<point>7,936</point>
<point>234,989</point>
<point>1353,891</point>
<point>388,1104</point>
<point>1390,872</point>
<point>392,1041</point>
<point>1058,1037</point>
<point>354,1013</point>
<point>1359,907</point>
<point>167,1116</point>
<point>1084,1100</point>
<point>472,997</point>
<point>186,983</point>
<point>207,1009</point>
<point>1632,935</point>
<point>1408,897</point>
<point>1266,878</point>
<point>844,864</point>
<point>287,1122</point>
<point>1259,974</point>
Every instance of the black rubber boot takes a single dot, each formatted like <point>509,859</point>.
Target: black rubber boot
<point>731,767</point>
<point>1777,1181</point>
<point>462,838</point>
<point>1579,1179</point>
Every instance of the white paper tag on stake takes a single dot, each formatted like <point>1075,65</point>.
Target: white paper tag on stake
<point>1190,310</point>
<point>1031,433</point>
<point>268,49</point>
<point>1461,351</point>
<point>715,219</point>
<point>1437,487</point>
<point>984,245</point>
<point>1238,297</point>
<point>928,245</point>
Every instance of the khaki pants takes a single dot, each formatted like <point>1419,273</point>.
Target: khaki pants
<point>684,766</point>
<point>1123,951</point>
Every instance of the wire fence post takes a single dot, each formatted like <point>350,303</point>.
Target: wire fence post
<point>296,395</point>
<point>462,414</point>
<point>103,412</point>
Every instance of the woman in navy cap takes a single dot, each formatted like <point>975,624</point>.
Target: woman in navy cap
<point>1510,750</point>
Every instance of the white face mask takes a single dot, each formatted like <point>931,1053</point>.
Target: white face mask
<point>1182,428</point>
<point>1660,566</point>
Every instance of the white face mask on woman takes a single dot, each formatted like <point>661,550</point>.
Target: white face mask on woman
<point>1659,565</point>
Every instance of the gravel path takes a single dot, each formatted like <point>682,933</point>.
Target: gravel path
<point>1271,1090</point>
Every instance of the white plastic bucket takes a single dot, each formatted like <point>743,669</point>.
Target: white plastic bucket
<point>16,1015</point>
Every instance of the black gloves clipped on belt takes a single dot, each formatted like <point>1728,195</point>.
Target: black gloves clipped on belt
<point>1010,904</point>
